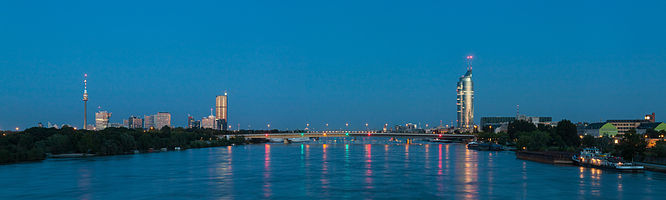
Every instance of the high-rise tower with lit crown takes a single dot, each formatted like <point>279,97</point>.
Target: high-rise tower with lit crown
<point>221,111</point>
<point>465,100</point>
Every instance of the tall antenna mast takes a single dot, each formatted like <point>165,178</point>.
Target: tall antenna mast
<point>517,110</point>
<point>85,101</point>
<point>469,62</point>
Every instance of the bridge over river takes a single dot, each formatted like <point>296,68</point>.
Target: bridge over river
<point>358,134</point>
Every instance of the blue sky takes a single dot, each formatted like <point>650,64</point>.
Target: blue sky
<point>289,63</point>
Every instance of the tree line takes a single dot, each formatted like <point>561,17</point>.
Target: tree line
<point>564,137</point>
<point>35,143</point>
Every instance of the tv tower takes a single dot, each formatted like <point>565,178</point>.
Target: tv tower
<point>85,101</point>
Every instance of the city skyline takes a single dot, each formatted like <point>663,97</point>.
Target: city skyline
<point>221,114</point>
<point>339,99</point>
<point>582,62</point>
<point>465,111</point>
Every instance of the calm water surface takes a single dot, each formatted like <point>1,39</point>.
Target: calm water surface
<point>365,169</point>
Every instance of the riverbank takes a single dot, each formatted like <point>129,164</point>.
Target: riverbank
<point>70,155</point>
<point>36,144</point>
<point>653,167</point>
<point>551,157</point>
<point>564,158</point>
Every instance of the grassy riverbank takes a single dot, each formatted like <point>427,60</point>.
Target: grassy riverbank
<point>33,144</point>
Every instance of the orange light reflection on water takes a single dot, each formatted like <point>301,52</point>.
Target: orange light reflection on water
<point>471,176</point>
<point>325,181</point>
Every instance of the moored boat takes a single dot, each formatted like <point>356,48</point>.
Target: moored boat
<point>299,139</point>
<point>473,145</point>
<point>485,146</point>
<point>592,157</point>
<point>440,140</point>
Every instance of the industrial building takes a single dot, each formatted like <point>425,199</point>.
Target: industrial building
<point>656,126</point>
<point>501,124</point>
<point>600,130</point>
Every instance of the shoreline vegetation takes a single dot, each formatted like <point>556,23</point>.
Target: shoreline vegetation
<point>36,144</point>
<point>551,142</point>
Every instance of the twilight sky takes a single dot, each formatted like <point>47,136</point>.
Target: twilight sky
<point>296,62</point>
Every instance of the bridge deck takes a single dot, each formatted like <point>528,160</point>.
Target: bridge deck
<point>298,135</point>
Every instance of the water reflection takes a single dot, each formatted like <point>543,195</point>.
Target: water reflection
<point>596,181</point>
<point>229,166</point>
<point>427,156</point>
<point>619,182</point>
<point>447,160</point>
<point>406,160</point>
<point>439,166</point>
<point>470,174</point>
<point>524,178</point>
<point>440,178</point>
<point>324,168</point>
<point>308,174</point>
<point>368,167</point>
<point>386,156</point>
<point>490,173</point>
<point>83,183</point>
<point>267,171</point>
<point>331,171</point>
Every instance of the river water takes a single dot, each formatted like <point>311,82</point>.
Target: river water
<point>368,168</point>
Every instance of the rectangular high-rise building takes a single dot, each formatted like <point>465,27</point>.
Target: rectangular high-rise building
<point>190,122</point>
<point>162,119</point>
<point>221,112</point>
<point>208,122</point>
<point>465,100</point>
<point>149,121</point>
<point>134,122</point>
<point>102,120</point>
